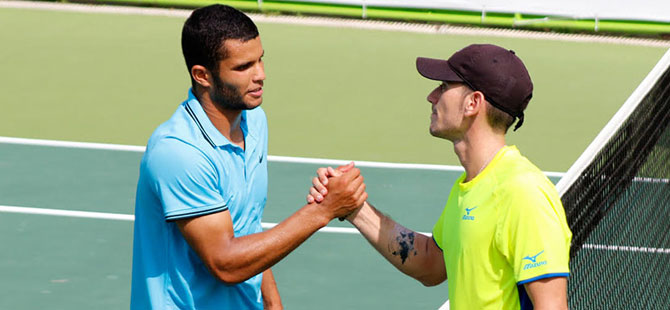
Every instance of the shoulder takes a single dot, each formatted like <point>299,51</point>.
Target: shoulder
<point>172,148</point>
<point>516,172</point>
<point>171,135</point>
<point>181,126</point>
<point>171,157</point>
<point>526,183</point>
<point>522,186</point>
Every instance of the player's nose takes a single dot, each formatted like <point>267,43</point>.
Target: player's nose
<point>434,95</point>
<point>260,72</point>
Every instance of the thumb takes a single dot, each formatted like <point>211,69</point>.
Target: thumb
<point>334,173</point>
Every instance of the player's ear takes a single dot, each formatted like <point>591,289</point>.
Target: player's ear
<point>201,75</point>
<point>473,103</point>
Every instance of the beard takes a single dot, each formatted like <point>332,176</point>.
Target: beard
<point>227,96</point>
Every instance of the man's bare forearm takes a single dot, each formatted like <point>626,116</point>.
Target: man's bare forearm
<point>410,252</point>
<point>235,259</point>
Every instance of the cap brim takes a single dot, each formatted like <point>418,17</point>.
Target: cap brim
<point>436,69</point>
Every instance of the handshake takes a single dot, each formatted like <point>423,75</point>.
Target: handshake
<point>340,191</point>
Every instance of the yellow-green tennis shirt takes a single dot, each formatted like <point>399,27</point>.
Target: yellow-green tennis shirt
<point>504,228</point>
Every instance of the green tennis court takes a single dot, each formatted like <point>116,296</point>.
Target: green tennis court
<point>331,93</point>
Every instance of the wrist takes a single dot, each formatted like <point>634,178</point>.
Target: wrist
<point>355,216</point>
<point>317,213</point>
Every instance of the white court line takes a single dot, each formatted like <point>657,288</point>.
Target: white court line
<point>131,218</point>
<point>340,230</point>
<point>625,248</point>
<point>347,23</point>
<point>362,163</point>
<point>68,213</point>
<point>74,145</point>
<point>651,180</point>
<point>285,159</point>
<point>444,306</point>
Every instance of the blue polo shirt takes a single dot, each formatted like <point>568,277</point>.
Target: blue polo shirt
<point>190,169</point>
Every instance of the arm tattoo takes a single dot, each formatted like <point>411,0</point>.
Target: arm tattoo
<point>403,245</point>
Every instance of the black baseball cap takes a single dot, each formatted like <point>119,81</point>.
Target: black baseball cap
<point>495,71</point>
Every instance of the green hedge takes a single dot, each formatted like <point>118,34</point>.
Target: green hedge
<point>425,15</point>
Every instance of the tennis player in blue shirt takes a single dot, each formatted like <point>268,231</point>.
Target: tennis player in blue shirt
<point>198,241</point>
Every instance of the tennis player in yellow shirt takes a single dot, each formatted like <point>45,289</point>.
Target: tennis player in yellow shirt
<point>502,240</point>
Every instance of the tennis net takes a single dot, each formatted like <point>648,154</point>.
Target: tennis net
<point>617,202</point>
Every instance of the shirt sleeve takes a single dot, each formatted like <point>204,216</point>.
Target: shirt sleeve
<point>532,232</point>
<point>438,229</point>
<point>184,179</point>
<point>438,232</point>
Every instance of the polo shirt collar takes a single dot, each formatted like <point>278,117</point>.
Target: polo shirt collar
<point>206,126</point>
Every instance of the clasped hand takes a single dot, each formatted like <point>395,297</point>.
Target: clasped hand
<point>341,190</point>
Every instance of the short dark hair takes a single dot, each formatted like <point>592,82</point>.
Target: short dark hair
<point>497,118</point>
<point>205,31</point>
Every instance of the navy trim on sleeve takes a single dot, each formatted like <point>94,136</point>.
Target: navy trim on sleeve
<point>438,246</point>
<point>547,275</point>
<point>196,213</point>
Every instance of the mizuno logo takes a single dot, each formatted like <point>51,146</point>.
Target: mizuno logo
<point>534,263</point>
<point>467,216</point>
<point>534,257</point>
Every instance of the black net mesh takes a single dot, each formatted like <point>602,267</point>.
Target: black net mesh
<point>619,213</point>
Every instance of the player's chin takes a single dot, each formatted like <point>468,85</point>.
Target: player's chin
<point>437,133</point>
<point>434,131</point>
<point>252,102</point>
